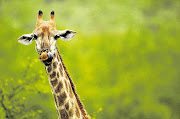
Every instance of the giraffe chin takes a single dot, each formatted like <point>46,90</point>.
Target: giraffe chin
<point>46,57</point>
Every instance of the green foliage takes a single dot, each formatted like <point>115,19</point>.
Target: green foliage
<point>124,60</point>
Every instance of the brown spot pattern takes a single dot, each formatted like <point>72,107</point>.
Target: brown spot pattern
<point>54,82</point>
<point>58,58</point>
<point>61,67</point>
<point>57,74</point>
<point>61,71</point>
<point>53,75</point>
<point>64,114</point>
<point>71,112</point>
<point>55,65</point>
<point>49,69</point>
<point>54,55</point>
<point>62,98</point>
<point>66,76</point>
<point>67,106</point>
<point>70,92</point>
<point>59,87</point>
<point>77,112</point>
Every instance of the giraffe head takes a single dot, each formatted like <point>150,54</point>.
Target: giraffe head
<point>45,35</point>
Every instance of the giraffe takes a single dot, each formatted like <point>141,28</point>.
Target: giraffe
<point>67,102</point>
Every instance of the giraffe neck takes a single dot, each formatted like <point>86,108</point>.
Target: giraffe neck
<point>67,102</point>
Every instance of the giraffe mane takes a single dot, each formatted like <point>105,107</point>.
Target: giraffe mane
<point>83,111</point>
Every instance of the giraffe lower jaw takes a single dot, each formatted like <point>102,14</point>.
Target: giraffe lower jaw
<point>46,57</point>
<point>47,63</point>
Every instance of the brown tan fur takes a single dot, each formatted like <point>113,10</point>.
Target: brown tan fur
<point>74,105</point>
<point>67,101</point>
<point>46,28</point>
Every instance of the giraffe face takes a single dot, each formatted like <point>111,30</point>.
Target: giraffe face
<point>45,36</point>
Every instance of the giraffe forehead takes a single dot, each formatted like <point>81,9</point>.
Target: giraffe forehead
<point>45,30</point>
<point>46,26</point>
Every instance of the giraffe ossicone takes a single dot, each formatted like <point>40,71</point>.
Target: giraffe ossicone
<point>67,102</point>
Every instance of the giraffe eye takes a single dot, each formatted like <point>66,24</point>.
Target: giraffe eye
<point>35,36</point>
<point>56,37</point>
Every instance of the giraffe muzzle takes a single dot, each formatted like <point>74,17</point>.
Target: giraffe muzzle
<point>46,57</point>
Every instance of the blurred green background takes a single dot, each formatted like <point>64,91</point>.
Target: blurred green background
<point>124,60</point>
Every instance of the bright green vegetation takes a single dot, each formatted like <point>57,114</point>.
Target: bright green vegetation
<point>125,60</point>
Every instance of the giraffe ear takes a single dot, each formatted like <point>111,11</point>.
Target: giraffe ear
<point>26,39</point>
<point>66,35</point>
